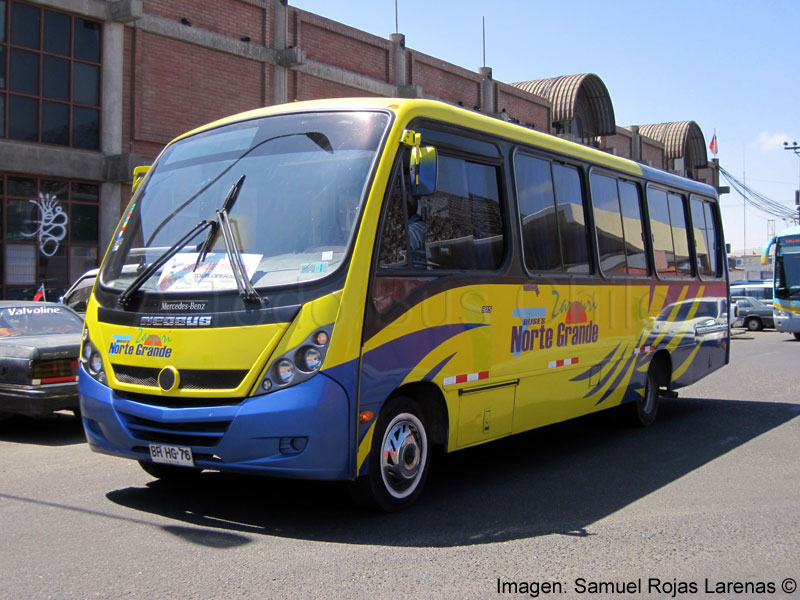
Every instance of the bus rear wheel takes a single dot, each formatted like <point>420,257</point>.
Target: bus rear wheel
<point>398,460</point>
<point>643,412</point>
<point>797,336</point>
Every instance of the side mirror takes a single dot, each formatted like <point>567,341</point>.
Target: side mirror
<point>423,170</point>
<point>138,176</point>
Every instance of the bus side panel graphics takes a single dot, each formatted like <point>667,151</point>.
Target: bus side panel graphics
<point>385,368</point>
<point>692,325</point>
<point>575,342</point>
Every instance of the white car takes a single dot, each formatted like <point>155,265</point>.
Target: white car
<point>77,296</point>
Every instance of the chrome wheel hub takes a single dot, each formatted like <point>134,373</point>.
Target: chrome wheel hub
<point>403,455</point>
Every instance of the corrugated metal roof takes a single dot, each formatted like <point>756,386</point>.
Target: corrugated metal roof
<point>681,139</point>
<point>567,92</point>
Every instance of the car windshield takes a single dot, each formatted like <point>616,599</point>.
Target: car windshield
<point>302,180</point>
<point>704,308</point>
<point>37,320</point>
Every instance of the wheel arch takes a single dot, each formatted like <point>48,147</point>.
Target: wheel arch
<point>661,363</point>
<point>431,400</point>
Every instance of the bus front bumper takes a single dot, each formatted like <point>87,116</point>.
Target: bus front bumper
<point>787,324</point>
<point>302,432</point>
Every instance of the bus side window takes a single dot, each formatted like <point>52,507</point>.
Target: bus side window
<point>632,226</point>
<point>540,235</point>
<point>571,218</point>
<point>680,232</point>
<point>668,227</point>
<point>713,237</point>
<point>608,220</point>
<point>462,221</point>
<point>704,239</point>
<point>552,214</point>
<point>394,251</point>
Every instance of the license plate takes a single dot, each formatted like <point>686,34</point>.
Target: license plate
<point>171,455</point>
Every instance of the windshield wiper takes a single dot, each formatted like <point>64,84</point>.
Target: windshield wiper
<point>125,297</point>
<point>227,204</point>
<point>222,224</point>
<point>243,283</point>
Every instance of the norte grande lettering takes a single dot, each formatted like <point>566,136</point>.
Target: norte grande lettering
<point>139,350</point>
<point>525,340</point>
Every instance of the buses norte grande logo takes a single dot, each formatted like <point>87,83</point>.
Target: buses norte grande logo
<point>575,330</point>
<point>144,345</point>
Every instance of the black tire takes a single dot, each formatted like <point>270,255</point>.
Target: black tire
<point>398,460</point>
<point>644,411</point>
<point>170,473</point>
<point>797,336</point>
<point>754,324</point>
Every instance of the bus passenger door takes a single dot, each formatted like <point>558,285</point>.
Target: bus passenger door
<point>433,296</point>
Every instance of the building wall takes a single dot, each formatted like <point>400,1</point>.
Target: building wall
<point>620,144</point>
<point>652,153</point>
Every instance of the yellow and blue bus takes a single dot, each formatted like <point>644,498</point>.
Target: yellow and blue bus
<point>334,289</point>
<point>786,283</point>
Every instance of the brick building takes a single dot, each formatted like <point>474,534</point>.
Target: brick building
<point>91,88</point>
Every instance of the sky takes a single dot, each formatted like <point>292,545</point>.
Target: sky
<point>731,66</point>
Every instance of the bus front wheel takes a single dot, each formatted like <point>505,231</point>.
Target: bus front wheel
<point>398,460</point>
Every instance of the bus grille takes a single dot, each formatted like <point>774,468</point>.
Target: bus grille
<point>204,433</point>
<point>200,379</point>
<point>176,401</point>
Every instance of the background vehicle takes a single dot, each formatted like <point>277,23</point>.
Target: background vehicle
<point>39,346</point>
<point>761,290</point>
<point>754,314</point>
<point>264,309</point>
<point>77,296</point>
<point>786,299</point>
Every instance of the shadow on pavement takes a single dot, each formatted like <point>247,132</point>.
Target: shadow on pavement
<point>58,429</point>
<point>559,479</point>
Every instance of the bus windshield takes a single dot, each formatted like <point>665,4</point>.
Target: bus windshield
<point>787,268</point>
<point>302,181</point>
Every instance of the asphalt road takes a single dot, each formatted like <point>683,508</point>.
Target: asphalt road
<point>708,496</point>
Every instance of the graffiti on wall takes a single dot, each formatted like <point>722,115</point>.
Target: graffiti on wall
<point>51,226</point>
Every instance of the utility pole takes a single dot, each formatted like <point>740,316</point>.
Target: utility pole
<point>794,147</point>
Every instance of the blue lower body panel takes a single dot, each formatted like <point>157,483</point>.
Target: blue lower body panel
<point>300,432</point>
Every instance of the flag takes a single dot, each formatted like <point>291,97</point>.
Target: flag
<point>39,294</point>
<point>713,145</point>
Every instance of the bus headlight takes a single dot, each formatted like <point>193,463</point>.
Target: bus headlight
<point>284,371</point>
<point>310,359</point>
<point>301,363</point>
<point>91,359</point>
<point>780,313</point>
<point>95,363</point>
